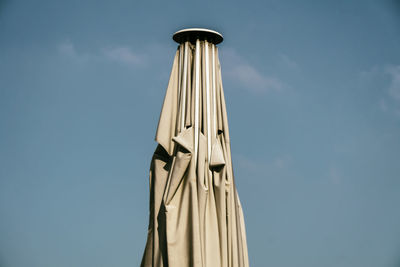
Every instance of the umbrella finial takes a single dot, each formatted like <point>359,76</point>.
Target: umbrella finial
<point>192,34</point>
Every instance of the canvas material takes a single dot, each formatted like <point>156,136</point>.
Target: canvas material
<point>196,219</point>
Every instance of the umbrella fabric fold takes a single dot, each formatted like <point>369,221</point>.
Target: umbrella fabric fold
<point>196,219</point>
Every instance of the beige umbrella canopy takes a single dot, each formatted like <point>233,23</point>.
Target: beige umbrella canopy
<point>196,219</point>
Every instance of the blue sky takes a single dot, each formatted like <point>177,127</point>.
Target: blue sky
<point>313,98</point>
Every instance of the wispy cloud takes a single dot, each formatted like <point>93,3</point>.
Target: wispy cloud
<point>387,79</point>
<point>394,87</point>
<point>287,62</point>
<point>126,55</point>
<point>334,175</point>
<point>263,166</point>
<point>393,90</point>
<point>121,53</point>
<point>248,76</point>
<point>382,105</point>
<point>68,49</point>
<point>368,75</point>
<point>252,79</point>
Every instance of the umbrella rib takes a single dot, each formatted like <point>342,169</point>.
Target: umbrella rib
<point>177,130</point>
<point>208,102</point>
<point>214,92</point>
<point>196,111</point>
<point>184,87</point>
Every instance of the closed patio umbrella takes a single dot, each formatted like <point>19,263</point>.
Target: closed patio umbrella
<point>196,218</point>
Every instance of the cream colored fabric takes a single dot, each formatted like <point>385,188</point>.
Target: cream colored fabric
<point>196,219</point>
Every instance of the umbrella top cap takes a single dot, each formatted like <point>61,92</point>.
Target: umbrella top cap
<point>192,34</point>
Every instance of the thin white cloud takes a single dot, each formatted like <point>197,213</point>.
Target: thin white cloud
<point>124,54</point>
<point>68,49</point>
<point>281,162</point>
<point>249,77</point>
<point>286,61</point>
<point>389,100</point>
<point>263,166</point>
<point>394,87</point>
<point>382,105</point>
<point>334,175</point>
<point>368,75</point>
<point>252,79</point>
